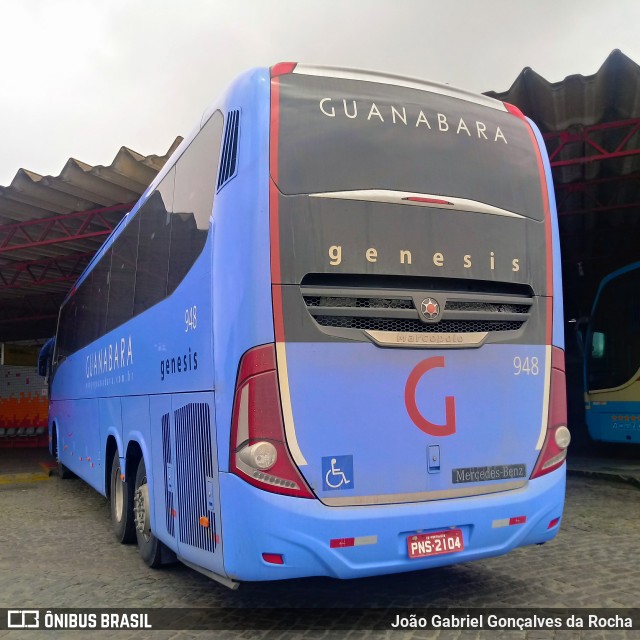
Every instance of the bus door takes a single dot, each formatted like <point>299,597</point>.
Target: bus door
<point>612,360</point>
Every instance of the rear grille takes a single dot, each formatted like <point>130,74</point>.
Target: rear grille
<point>488,307</point>
<point>415,326</point>
<point>463,311</point>
<point>194,464</point>
<point>359,303</point>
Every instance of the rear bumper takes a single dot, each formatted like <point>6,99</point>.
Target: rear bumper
<point>256,522</point>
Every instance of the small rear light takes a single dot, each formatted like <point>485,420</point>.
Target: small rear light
<point>259,453</point>
<point>554,449</point>
<point>563,437</point>
<point>341,543</point>
<point>282,68</point>
<point>553,523</point>
<point>273,558</point>
<point>428,200</point>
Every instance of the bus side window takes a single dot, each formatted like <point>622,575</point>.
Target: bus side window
<point>153,253</point>
<point>195,186</point>
<point>122,279</point>
<point>153,246</point>
<point>95,314</point>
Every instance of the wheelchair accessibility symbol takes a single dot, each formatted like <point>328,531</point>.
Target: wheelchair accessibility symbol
<point>337,473</point>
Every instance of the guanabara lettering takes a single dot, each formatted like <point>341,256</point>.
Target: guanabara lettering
<point>114,357</point>
<point>413,116</point>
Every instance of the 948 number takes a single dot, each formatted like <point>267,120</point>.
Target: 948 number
<point>191,318</point>
<point>526,366</point>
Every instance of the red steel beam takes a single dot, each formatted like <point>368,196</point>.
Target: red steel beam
<point>583,135</point>
<point>79,225</point>
<point>42,272</point>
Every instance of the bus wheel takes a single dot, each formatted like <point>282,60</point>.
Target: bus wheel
<point>150,547</point>
<point>121,504</point>
<point>64,473</point>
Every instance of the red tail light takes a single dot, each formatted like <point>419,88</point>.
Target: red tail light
<point>427,200</point>
<point>554,449</point>
<point>259,452</point>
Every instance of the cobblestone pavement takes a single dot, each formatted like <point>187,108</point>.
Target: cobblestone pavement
<point>57,550</point>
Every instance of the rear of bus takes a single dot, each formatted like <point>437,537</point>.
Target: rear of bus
<point>411,412</point>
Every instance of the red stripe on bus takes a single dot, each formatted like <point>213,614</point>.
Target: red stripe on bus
<point>547,232</point>
<point>274,132</point>
<point>274,219</point>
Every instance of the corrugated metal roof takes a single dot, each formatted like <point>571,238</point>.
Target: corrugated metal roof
<point>612,93</point>
<point>38,214</point>
<point>80,186</point>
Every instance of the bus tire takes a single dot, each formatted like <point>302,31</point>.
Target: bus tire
<point>151,549</point>
<point>64,473</point>
<point>121,503</point>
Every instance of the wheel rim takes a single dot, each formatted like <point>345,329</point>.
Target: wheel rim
<point>118,493</point>
<point>141,510</point>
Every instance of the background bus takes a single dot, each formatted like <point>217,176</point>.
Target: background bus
<point>328,339</point>
<point>612,359</point>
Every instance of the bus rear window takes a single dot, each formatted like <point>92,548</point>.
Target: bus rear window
<point>342,135</point>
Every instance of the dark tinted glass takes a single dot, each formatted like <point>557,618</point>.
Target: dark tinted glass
<point>66,330</point>
<point>82,332</point>
<point>154,251</point>
<point>341,135</point>
<point>153,246</point>
<point>195,186</point>
<point>96,299</point>
<point>614,359</point>
<point>123,275</point>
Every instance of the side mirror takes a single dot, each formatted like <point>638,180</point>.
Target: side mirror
<point>597,345</point>
<point>44,358</point>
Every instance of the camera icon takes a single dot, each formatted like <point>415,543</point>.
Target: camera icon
<point>23,619</point>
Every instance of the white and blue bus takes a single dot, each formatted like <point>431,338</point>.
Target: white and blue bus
<point>327,341</point>
<point>612,360</point>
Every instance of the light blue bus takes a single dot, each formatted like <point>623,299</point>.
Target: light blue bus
<point>612,360</point>
<point>327,341</point>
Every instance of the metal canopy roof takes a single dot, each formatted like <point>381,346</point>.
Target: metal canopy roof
<point>591,125</point>
<point>51,226</point>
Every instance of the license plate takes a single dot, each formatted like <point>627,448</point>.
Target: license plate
<point>421,545</point>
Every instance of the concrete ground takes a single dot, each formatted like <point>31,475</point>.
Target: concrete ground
<point>57,550</point>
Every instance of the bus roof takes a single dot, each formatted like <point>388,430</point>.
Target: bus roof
<point>398,81</point>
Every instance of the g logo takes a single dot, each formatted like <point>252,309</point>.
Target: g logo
<point>446,429</point>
